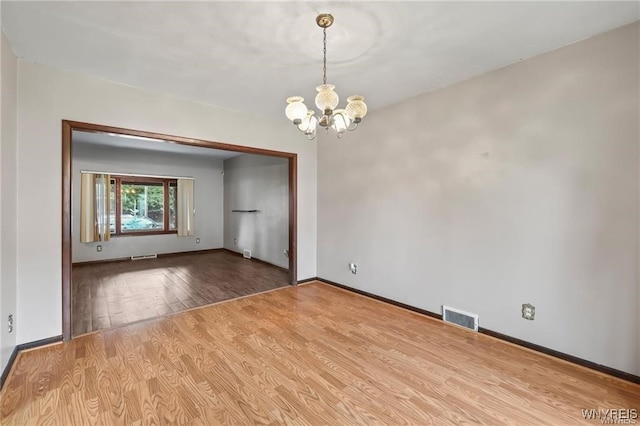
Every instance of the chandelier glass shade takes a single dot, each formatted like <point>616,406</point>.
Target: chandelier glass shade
<point>327,101</point>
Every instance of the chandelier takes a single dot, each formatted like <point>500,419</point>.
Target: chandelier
<point>326,100</point>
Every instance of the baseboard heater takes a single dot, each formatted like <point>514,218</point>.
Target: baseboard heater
<point>144,256</point>
<point>460,318</point>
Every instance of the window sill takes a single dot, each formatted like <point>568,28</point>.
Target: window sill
<point>143,233</point>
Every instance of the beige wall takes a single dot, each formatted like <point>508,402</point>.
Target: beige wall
<point>47,95</point>
<point>517,186</point>
<point>257,182</point>
<point>8,212</point>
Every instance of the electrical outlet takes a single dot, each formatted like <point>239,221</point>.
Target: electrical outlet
<point>354,268</point>
<point>528,311</point>
<point>99,248</point>
<point>286,252</point>
<point>235,241</point>
<point>197,240</point>
<point>10,323</point>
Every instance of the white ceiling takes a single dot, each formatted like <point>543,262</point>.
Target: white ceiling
<point>250,56</point>
<point>147,144</point>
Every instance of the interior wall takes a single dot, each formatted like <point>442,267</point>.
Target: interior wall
<point>518,186</point>
<point>8,197</point>
<point>208,226</point>
<point>256,182</point>
<point>46,96</point>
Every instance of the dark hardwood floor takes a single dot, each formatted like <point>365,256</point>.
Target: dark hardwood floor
<point>111,294</point>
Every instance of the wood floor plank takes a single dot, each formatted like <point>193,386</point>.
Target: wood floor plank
<point>112,294</point>
<point>305,355</point>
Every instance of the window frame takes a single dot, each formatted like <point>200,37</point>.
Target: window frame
<point>142,180</point>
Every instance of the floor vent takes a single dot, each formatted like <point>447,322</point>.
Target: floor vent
<point>247,254</point>
<point>144,256</point>
<point>461,318</point>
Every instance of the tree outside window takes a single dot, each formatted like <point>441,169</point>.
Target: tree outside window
<point>139,204</point>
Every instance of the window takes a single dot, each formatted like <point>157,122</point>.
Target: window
<point>143,205</point>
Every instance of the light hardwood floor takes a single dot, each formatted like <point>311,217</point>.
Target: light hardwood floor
<point>111,294</point>
<point>308,355</point>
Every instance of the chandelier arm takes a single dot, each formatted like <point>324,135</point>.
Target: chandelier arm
<point>303,130</point>
<point>352,126</point>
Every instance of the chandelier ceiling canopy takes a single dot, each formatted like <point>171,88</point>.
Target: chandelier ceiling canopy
<point>326,100</point>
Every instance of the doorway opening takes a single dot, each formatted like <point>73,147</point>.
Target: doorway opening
<point>128,219</point>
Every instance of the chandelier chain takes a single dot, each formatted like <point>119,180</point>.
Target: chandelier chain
<point>324,64</point>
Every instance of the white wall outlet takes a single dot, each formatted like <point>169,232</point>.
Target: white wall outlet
<point>354,268</point>
<point>286,253</point>
<point>235,241</point>
<point>528,311</point>
<point>99,248</point>
<point>197,240</point>
<point>10,323</point>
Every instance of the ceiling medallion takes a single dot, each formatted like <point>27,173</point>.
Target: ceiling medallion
<point>327,100</point>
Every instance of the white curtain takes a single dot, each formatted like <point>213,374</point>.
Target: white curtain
<point>94,207</point>
<point>185,207</point>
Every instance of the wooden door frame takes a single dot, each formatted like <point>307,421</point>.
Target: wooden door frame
<point>69,126</point>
